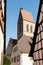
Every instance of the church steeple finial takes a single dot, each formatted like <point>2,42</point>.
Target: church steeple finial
<point>21,8</point>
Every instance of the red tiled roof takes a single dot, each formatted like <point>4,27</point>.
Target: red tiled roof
<point>27,15</point>
<point>23,44</point>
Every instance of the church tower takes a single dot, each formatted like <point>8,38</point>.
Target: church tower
<point>25,24</point>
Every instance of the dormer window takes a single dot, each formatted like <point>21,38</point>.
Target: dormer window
<point>31,29</point>
<point>27,28</point>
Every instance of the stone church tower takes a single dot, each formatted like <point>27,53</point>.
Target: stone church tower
<point>25,24</point>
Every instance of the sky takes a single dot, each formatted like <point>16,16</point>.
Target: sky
<point>13,8</point>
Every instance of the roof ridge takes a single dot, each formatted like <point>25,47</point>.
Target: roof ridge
<point>27,15</point>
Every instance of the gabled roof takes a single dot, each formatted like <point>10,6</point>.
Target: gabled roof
<point>23,44</point>
<point>27,15</point>
<point>12,42</point>
<point>36,29</point>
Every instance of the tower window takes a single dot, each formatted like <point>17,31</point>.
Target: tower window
<point>27,28</point>
<point>30,28</point>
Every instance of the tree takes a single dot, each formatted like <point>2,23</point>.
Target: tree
<point>6,60</point>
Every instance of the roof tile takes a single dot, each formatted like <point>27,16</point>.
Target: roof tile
<point>27,15</point>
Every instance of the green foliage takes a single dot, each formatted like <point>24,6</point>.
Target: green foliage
<point>6,60</point>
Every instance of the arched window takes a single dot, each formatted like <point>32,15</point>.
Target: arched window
<point>30,28</point>
<point>27,28</point>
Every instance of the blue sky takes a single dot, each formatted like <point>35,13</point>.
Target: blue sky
<point>13,7</point>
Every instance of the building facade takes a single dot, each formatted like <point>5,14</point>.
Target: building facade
<point>25,31</point>
<point>1,33</point>
<point>20,51</point>
<point>37,47</point>
<point>11,43</point>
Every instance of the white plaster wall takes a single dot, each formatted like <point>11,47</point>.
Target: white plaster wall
<point>1,43</point>
<point>25,29</point>
<point>25,60</point>
<point>15,54</point>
